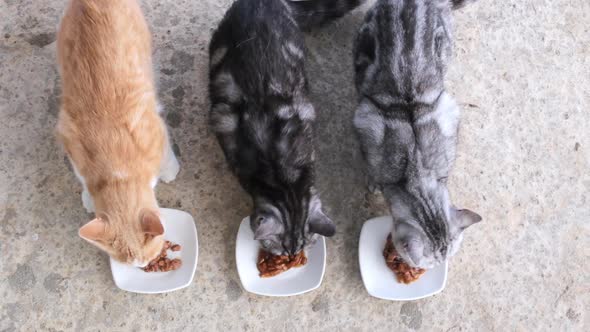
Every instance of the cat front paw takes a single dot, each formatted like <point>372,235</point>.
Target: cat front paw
<point>373,187</point>
<point>87,201</point>
<point>170,170</point>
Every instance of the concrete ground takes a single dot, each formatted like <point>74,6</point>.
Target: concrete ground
<point>522,75</point>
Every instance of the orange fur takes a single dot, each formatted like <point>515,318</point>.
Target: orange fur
<point>109,124</point>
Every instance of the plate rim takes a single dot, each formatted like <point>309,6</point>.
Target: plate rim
<point>414,298</point>
<point>167,290</point>
<point>319,282</point>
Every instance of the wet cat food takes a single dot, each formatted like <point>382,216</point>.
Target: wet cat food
<point>270,265</point>
<point>403,272</point>
<point>162,263</point>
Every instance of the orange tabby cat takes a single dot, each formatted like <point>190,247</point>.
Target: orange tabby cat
<point>110,127</point>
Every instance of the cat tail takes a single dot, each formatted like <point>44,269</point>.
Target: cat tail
<point>310,14</point>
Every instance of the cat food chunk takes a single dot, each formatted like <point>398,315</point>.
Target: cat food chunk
<point>270,265</point>
<point>404,273</point>
<point>162,263</point>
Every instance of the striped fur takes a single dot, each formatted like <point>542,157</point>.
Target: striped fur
<point>314,13</point>
<point>407,124</point>
<point>263,118</point>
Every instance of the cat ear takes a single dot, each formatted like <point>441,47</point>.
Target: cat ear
<point>267,228</point>
<point>465,218</point>
<point>151,224</point>
<point>321,224</point>
<point>94,230</point>
<point>456,4</point>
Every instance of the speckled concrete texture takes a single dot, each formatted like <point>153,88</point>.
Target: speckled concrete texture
<point>522,75</point>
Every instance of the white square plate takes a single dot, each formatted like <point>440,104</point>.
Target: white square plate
<point>293,282</point>
<point>379,280</point>
<point>179,228</point>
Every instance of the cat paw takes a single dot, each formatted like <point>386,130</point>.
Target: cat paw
<point>87,201</point>
<point>170,170</point>
<point>373,188</point>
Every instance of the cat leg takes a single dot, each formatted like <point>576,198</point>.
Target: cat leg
<point>370,128</point>
<point>372,186</point>
<point>87,200</point>
<point>170,166</point>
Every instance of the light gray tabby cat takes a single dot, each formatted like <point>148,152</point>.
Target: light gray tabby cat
<point>407,124</point>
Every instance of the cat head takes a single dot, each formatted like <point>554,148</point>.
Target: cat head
<point>134,242</point>
<point>428,230</point>
<point>286,229</point>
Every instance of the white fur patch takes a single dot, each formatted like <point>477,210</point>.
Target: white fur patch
<point>78,175</point>
<point>87,201</point>
<point>170,166</point>
<point>137,263</point>
<point>227,86</point>
<point>306,111</point>
<point>315,205</point>
<point>369,122</point>
<point>223,120</point>
<point>153,183</point>
<point>294,50</point>
<point>225,123</point>
<point>446,115</point>
<point>285,112</point>
<point>449,119</point>
<point>218,55</point>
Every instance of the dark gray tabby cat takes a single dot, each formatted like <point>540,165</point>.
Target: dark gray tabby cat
<point>407,124</point>
<point>263,118</point>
